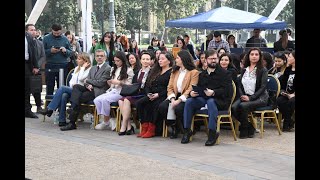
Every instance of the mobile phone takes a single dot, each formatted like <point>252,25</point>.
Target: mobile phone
<point>57,47</point>
<point>149,94</point>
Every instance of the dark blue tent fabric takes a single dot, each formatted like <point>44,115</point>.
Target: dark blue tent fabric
<point>227,18</point>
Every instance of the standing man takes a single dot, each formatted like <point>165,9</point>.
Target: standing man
<point>31,67</point>
<point>217,85</point>
<point>189,46</point>
<point>209,38</point>
<point>256,40</point>
<point>40,56</point>
<point>57,49</point>
<point>218,42</point>
<point>94,85</point>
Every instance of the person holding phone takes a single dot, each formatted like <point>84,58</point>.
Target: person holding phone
<point>58,50</point>
<point>217,85</point>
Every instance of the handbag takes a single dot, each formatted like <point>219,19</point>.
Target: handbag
<point>35,84</point>
<point>171,116</point>
<point>130,90</point>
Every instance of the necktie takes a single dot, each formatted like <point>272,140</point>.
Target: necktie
<point>98,67</point>
<point>140,77</point>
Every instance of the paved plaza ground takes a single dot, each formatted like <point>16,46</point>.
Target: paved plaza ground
<point>91,154</point>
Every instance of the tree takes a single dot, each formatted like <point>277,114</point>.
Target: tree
<point>64,12</point>
<point>265,7</point>
<point>173,9</point>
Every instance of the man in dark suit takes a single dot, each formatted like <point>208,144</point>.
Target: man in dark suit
<point>95,85</point>
<point>31,67</point>
<point>40,56</point>
<point>217,85</point>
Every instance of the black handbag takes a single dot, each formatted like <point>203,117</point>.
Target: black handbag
<point>130,90</point>
<point>35,84</point>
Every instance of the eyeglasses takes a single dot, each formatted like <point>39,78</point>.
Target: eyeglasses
<point>212,58</point>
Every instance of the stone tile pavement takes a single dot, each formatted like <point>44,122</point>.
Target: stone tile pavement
<point>90,154</point>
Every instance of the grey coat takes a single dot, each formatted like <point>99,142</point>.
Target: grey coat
<point>99,80</point>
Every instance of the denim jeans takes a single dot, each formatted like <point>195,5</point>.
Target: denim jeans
<point>60,100</point>
<point>195,103</point>
<point>51,77</point>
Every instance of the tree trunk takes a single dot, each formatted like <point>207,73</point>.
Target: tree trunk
<point>133,34</point>
<point>166,17</point>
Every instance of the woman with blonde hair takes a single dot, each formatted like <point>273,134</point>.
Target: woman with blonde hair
<point>61,97</point>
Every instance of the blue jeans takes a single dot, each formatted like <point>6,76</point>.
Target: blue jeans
<point>51,77</point>
<point>60,100</point>
<point>195,103</point>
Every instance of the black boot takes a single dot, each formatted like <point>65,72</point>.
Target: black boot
<point>286,125</point>
<point>174,132</point>
<point>46,111</point>
<point>243,133</point>
<point>212,138</point>
<point>72,125</point>
<point>251,131</point>
<point>291,125</point>
<point>186,136</point>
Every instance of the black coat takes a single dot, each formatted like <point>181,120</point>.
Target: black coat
<point>261,84</point>
<point>32,51</point>
<point>220,82</point>
<point>159,85</point>
<point>277,46</point>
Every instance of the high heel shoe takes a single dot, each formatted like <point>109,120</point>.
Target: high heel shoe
<point>46,111</point>
<point>122,133</point>
<point>130,131</point>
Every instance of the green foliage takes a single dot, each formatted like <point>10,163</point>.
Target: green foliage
<point>64,12</point>
<point>265,7</point>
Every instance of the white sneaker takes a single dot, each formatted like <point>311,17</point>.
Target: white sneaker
<point>103,125</point>
<point>112,123</point>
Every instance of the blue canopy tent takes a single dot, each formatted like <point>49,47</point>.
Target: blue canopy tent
<point>226,18</point>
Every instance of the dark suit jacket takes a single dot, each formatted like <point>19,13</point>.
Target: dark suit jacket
<point>32,51</point>
<point>277,46</point>
<point>220,82</point>
<point>99,80</point>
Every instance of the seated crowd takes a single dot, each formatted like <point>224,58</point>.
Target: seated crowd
<point>182,85</point>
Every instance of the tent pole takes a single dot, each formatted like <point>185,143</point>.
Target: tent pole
<point>205,40</point>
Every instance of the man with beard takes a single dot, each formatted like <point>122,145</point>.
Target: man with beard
<point>217,86</point>
<point>218,42</point>
<point>57,49</point>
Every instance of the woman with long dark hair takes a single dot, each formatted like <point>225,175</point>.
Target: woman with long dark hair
<point>286,100</point>
<point>134,62</point>
<point>156,92</point>
<point>106,43</point>
<point>280,64</point>
<point>252,91</point>
<point>226,62</point>
<point>125,102</point>
<point>183,76</point>
<point>121,74</point>
<point>283,43</point>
